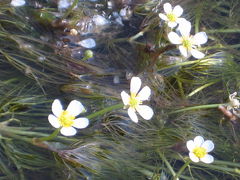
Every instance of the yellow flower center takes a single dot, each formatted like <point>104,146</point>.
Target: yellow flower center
<point>187,43</point>
<point>200,152</point>
<point>133,101</point>
<point>171,17</point>
<point>66,119</point>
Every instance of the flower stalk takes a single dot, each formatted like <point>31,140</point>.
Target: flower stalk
<point>105,110</point>
<point>167,164</point>
<point>182,169</point>
<point>207,106</point>
<point>51,136</point>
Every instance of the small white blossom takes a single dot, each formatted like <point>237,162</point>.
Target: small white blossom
<point>233,101</point>
<point>134,101</point>
<point>199,149</point>
<point>172,15</point>
<point>187,43</point>
<point>66,119</point>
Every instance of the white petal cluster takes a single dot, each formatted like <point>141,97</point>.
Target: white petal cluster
<point>187,43</point>
<point>199,149</point>
<point>66,119</point>
<point>233,101</point>
<point>172,15</point>
<point>134,100</point>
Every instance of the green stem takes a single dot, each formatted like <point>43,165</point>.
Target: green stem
<point>208,106</point>
<point>167,164</point>
<point>180,88</point>
<point>24,134</point>
<point>223,31</point>
<point>84,58</point>
<point>4,132</point>
<point>105,110</point>
<point>185,63</point>
<point>51,136</point>
<point>218,162</point>
<point>181,170</point>
<point>5,113</point>
<point>136,36</point>
<point>141,33</point>
<point>201,88</point>
<point>222,168</point>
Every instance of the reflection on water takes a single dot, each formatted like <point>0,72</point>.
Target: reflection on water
<point>17,3</point>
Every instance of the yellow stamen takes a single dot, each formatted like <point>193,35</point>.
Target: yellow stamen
<point>171,17</point>
<point>187,43</point>
<point>200,152</point>
<point>66,119</point>
<point>133,101</point>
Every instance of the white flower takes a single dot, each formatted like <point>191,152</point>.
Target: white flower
<point>135,99</point>
<point>16,3</point>
<point>172,15</point>
<point>233,102</point>
<point>66,118</point>
<point>198,150</point>
<point>187,43</point>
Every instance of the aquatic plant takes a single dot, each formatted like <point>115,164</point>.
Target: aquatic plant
<point>91,51</point>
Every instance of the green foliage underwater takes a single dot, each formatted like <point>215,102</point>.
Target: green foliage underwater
<point>90,51</point>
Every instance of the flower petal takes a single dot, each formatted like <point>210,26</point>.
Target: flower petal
<point>135,85</point>
<point>125,98</point>
<point>81,123</point>
<point>75,108</point>
<point>198,141</point>
<point>57,107</point>
<point>180,20</point>
<point>145,111</point>
<point>144,94</point>
<point>167,8</point>
<point>208,145</point>
<point>193,157</point>
<point>207,159</point>
<point>177,11</point>
<point>68,131</point>
<point>163,16</point>
<point>53,120</point>
<point>190,145</point>
<point>183,51</point>
<point>185,28</point>
<point>174,38</point>
<point>200,38</point>
<point>172,24</point>
<point>132,114</point>
<point>197,54</point>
